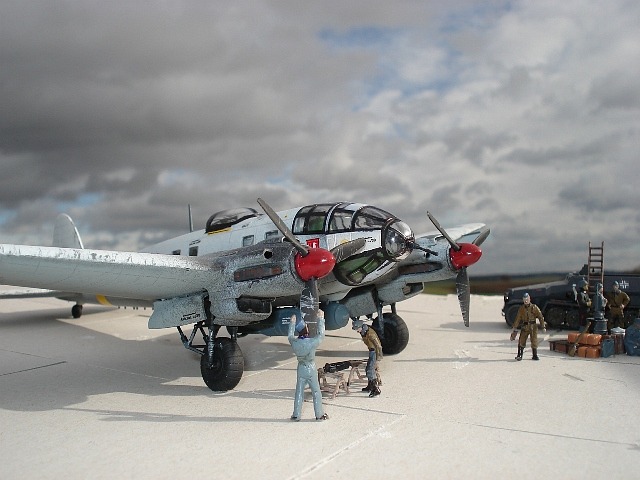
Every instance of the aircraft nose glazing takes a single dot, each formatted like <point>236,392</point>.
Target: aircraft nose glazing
<point>397,239</point>
<point>466,256</point>
<point>318,263</point>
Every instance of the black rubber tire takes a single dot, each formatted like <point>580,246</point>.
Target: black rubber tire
<point>396,334</point>
<point>573,319</point>
<point>554,317</point>
<point>510,317</point>
<point>76,311</point>
<point>227,368</point>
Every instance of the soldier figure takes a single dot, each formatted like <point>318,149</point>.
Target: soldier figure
<point>305,349</point>
<point>371,340</point>
<point>584,304</point>
<point>527,315</point>
<point>599,304</point>
<point>618,300</point>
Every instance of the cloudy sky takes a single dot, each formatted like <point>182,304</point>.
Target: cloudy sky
<point>524,115</point>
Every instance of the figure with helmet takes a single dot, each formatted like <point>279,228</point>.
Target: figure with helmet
<point>584,304</point>
<point>528,314</point>
<point>372,341</point>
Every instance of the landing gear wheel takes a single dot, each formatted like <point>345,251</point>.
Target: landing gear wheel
<point>227,368</point>
<point>396,334</point>
<point>76,311</point>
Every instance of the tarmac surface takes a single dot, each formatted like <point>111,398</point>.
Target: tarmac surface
<point>104,397</point>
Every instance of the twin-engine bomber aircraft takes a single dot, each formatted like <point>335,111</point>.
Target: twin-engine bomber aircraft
<point>251,272</point>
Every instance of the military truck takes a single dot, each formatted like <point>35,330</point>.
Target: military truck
<point>557,300</point>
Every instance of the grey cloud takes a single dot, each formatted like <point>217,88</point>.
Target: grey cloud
<point>123,113</point>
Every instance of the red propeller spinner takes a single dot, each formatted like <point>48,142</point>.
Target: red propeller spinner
<point>317,263</point>
<point>467,255</point>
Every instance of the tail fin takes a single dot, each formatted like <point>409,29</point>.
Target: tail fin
<point>65,233</point>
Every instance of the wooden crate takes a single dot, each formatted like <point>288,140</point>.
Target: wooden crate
<point>560,346</point>
<point>593,352</point>
<point>593,339</point>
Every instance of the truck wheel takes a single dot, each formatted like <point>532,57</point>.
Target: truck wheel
<point>511,314</point>
<point>554,316</point>
<point>573,319</point>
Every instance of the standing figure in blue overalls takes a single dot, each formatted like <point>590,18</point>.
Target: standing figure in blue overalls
<point>305,349</point>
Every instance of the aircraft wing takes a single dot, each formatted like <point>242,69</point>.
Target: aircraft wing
<point>9,292</point>
<point>145,276</point>
<point>459,233</point>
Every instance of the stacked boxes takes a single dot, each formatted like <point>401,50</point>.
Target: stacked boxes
<point>590,345</point>
<point>561,346</point>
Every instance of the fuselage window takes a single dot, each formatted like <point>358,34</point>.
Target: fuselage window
<point>193,251</point>
<point>175,252</point>
<point>247,241</point>
<point>271,235</point>
<point>340,221</point>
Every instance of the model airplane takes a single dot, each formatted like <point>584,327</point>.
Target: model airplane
<point>249,272</point>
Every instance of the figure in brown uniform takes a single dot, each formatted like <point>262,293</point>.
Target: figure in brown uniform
<point>527,315</point>
<point>371,340</point>
<point>618,300</point>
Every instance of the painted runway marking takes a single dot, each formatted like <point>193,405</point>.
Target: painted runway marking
<point>381,431</point>
<point>30,369</point>
<point>462,355</point>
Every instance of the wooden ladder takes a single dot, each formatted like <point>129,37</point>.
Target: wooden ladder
<point>595,267</point>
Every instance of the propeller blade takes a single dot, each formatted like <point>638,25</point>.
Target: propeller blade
<point>345,250</point>
<point>309,304</point>
<point>280,225</point>
<point>464,294</point>
<point>453,244</point>
<point>482,237</point>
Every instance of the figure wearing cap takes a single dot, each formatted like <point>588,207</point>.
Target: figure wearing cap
<point>527,315</point>
<point>371,340</point>
<point>305,349</point>
<point>618,300</point>
<point>584,304</point>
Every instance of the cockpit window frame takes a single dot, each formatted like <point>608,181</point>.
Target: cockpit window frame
<point>227,218</point>
<point>338,217</point>
<point>312,219</point>
<point>346,220</point>
<point>373,216</point>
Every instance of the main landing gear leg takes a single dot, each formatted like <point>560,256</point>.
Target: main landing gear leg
<point>221,360</point>
<point>395,333</point>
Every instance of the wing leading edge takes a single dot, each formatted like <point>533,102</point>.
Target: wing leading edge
<point>145,276</point>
